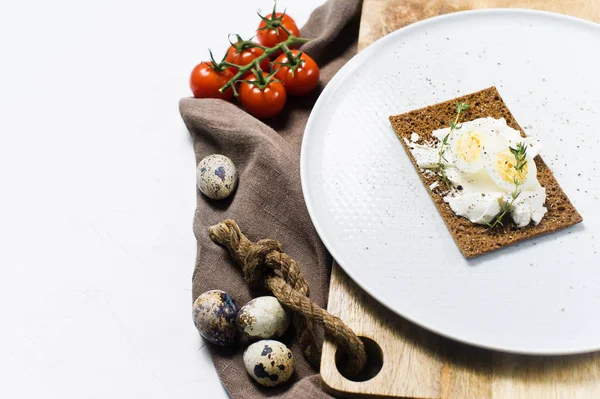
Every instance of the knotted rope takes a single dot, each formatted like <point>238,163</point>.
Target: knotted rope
<point>265,264</point>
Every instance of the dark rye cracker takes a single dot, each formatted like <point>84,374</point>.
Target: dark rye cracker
<point>474,239</point>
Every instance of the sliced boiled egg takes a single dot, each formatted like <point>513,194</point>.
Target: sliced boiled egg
<point>467,142</point>
<point>500,164</point>
<point>478,160</point>
<point>466,147</point>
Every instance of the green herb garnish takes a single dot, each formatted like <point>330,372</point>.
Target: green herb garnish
<point>440,168</point>
<point>520,154</point>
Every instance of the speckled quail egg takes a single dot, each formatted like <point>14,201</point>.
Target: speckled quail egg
<point>263,318</point>
<point>214,315</point>
<point>216,176</point>
<point>269,362</point>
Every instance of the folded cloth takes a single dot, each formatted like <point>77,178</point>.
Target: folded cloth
<point>268,202</point>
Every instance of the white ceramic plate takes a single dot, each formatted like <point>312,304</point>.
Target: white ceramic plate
<point>378,221</point>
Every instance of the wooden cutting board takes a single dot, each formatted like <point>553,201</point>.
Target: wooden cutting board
<point>413,362</point>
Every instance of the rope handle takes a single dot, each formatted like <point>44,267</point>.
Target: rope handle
<point>265,264</point>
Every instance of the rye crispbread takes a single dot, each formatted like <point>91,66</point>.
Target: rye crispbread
<point>475,239</point>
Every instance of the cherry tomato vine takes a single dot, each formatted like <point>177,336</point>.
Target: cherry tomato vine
<point>242,70</point>
<point>261,74</point>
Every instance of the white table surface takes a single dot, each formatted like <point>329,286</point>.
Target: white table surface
<point>97,179</point>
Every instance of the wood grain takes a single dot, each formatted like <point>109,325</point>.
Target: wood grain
<point>417,363</point>
<point>380,17</point>
<point>409,358</point>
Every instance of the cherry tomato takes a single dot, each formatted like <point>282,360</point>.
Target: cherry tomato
<point>205,82</point>
<point>301,81</point>
<point>263,102</point>
<point>269,36</point>
<point>245,57</point>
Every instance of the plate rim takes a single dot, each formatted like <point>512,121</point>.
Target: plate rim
<point>339,77</point>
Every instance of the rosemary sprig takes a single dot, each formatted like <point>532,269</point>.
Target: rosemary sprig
<point>520,153</point>
<point>440,168</point>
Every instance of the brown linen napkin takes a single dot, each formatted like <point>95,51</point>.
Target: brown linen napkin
<point>268,202</point>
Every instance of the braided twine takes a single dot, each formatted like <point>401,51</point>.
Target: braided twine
<point>264,263</point>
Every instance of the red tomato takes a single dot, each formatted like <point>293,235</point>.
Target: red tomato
<point>303,79</point>
<point>245,57</point>
<point>262,102</point>
<point>205,82</point>
<point>270,34</point>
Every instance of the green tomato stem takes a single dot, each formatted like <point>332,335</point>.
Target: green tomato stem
<point>283,28</point>
<point>217,66</point>
<point>268,51</point>
<point>259,77</point>
<point>291,59</point>
<point>275,22</point>
<point>261,81</point>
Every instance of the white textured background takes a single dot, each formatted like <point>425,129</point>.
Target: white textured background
<point>97,194</point>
